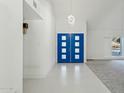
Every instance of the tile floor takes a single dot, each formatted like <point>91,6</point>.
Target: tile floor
<point>66,78</point>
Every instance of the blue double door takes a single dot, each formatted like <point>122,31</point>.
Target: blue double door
<point>70,47</point>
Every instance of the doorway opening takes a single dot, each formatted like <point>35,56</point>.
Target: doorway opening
<point>118,46</point>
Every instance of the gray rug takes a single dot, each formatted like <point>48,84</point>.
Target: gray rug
<point>111,73</point>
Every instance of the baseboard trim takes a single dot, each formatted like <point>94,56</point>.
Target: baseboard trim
<point>33,72</point>
<point>99,59</point>
<point>33,76</point>
<point>7,90</point>
<point>103,59</point>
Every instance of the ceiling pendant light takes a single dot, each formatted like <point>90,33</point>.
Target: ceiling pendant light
<point>71,19</point>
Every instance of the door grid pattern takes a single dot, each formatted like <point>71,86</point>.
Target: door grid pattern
<point>70,47</point>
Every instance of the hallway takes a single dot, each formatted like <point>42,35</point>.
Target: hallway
<point>47,45</point>
<point>66,78</point>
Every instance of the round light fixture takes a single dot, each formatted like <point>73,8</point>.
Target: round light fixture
<point>71,19</point>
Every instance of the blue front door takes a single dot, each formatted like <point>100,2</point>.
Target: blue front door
<point>77,48</point>
<point>63,48</point>
<point>70,47</point>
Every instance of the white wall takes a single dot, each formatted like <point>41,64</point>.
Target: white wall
<point>100,44</point>
<point>62,11</point>
<point>101,33</point>
<point>39,44</point>
<point>11,39</point>
<point>105,19</point>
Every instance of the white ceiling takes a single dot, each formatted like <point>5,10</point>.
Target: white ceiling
<point>86,8</point>
<point>94,11</point>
